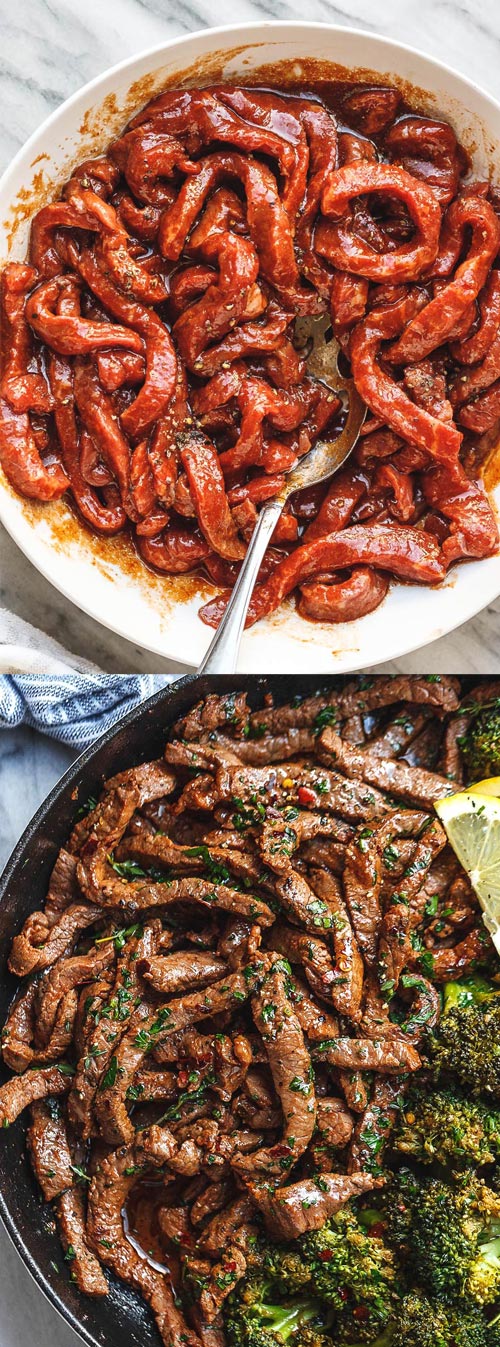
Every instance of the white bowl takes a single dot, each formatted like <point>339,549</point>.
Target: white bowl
<point>104,578</point>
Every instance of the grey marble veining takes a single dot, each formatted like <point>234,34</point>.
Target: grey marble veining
<point>51,47</point>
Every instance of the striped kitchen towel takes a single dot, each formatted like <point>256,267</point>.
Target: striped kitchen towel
<point>73,707</point>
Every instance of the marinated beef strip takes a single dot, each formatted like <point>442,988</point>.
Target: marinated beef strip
<point>49,1149</point>
<point>123,795</point>
<point>306,1205</point>
<point>108,1194</point>
<point>228,992</point>
<point>373,1129</point>
<point>363,870</point>
<point>403,912</point>
<point>328,791</point>
<point>20,1091</point>
<point>368,1054</point>
<point>441,693</point>
<point>229,710</point>
<point>307,951</point>
<point>148,1028</point>
<point>302,905</point>
<point>160,851</point>
<point>106,1022</point>
<point>177,972</point>
<point>334,1122</point>
<point>86,1267</point>
<point>63,886</point>
<point>40,945</point>
<point>414,785</point>
<point>64,978</point>
<point>290,1065</point>
<point>347,982</point>
<point>396,737</point>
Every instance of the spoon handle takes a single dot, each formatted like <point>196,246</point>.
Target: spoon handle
<point>222,653</point>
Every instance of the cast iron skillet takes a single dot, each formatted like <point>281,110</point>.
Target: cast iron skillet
<point>121,1317</point>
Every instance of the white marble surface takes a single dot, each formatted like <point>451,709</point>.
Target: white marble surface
<point>49,48</point>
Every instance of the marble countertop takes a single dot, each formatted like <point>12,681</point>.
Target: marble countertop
<point>49,49</point>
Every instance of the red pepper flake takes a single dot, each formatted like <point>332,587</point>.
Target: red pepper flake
<point>306,796</point>
<point>378,1230</point>
<point>361,1313</point>
<point>325,1256</point>
<point>182,1077</point>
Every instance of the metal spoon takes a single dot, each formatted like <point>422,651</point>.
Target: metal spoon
<point>321,462</point>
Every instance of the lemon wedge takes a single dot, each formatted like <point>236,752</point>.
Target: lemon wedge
<point>490,786</point>
<point>471,820</point>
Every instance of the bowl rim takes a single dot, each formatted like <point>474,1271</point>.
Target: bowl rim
<point>155,643</point>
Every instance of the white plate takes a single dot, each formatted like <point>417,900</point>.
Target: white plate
<point>104,578</point>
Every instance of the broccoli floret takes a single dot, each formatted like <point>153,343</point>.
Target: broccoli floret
<point>355,1274</point>
<point>286,1266</point>
<point>480,745</point>
<point>448,1236</point>
<point>448,1128</point>
<point>466,1043</point>
<point>255,1316</point>
<point>420,1323</point>
<point>471,990</point>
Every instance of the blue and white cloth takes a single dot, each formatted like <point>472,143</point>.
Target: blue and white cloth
<point>73,707</point>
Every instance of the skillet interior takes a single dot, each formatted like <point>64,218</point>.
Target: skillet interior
<point>123,1315</point>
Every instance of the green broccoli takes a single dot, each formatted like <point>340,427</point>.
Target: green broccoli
<point>466,1043</point>
<point>287,1267</point>
<point>449,1237</point>
<point>448,1128</point>
<point>256,1317</point>
<point>420,1323</point>
<point>480,744</point>
<point>355,1274</point>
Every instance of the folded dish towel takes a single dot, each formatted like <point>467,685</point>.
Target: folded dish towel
<point>73,707</point>
<point>24,649</point>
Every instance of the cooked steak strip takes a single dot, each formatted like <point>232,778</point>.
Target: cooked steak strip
<point>412,784</point>
<point>403,912</point>
<point>441,693</point>
<point>375,1125</point>
<point>63,888</point>
<point>49,1149</point>
<point>35,949</point>
<point>347,985</point>
<point>85,1266</point>
<point>306,950</point>
<point>368,1054</point>
<point>290,1065</point>
<point>61,979</point>
<point>393,741</point>
<point>362,878</point>
<point>177,972</point>
<point>306,1205</point>
<point>108,1193</point>
<point>149,1027</point>
<point>106,1024</point>
<point>20,1091</point>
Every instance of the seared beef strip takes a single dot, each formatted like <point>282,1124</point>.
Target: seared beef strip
<point>306,1205</point>
<point>290,1065</point>
<point>49,1150</point>
<point>412,784</point>
<point>20,1091</point>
